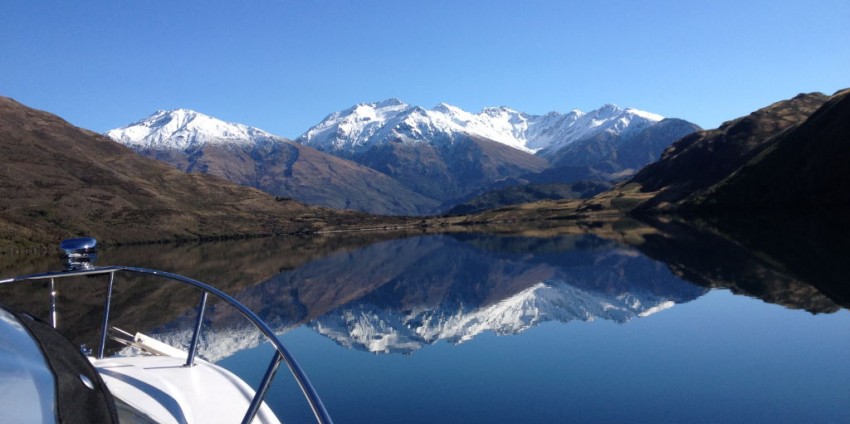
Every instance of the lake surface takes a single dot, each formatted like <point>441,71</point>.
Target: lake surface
<point>492,329</point>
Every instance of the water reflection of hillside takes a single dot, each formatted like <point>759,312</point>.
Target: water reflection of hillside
<point>143,304</point>
<point>798,262</point>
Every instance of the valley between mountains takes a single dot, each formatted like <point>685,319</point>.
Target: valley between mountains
<point>182,175</point>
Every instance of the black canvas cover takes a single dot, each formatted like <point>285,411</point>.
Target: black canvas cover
<point>76,402</point>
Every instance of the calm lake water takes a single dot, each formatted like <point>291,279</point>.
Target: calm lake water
<point>489,329</point>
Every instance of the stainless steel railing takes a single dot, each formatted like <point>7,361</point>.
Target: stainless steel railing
<point>281,354</point>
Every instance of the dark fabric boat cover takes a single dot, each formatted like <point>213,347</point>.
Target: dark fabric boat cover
<point>75,401</point>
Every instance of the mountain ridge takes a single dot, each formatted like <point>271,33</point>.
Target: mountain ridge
<point>367,124</point>
<point>194,142</point>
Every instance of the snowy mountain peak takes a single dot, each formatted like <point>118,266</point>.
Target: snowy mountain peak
<point>392,102</point>
<point>609,108</point>
<point>184,129</point>
<point>447,108</point>
<point>358,128</point>
<point>376,110</point>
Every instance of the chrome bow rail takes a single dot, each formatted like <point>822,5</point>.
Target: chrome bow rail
<point>281,353</point>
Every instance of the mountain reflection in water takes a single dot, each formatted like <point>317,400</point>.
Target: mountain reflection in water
<point>455,289</point>
<point>399,295</point>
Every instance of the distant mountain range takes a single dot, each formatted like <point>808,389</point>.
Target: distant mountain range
<point>393,158</point>
<point>355,130</point>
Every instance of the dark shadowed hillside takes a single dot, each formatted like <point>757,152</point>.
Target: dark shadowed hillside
<point>451,170</point>
<point>803,169</point>
<point>692,166</point>
<point>529,193</point>
<point>705,158</point>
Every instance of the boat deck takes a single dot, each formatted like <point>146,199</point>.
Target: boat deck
<point>170,392</point>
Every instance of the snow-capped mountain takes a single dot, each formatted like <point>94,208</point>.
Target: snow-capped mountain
<point>452,155</point>
<point>369,124</point>
<point>184,129</point>
<point>194,142</point>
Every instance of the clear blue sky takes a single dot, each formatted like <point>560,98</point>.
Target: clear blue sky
<point>284,65</point>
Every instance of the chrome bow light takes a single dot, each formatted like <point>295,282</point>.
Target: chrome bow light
<point>79,253</point>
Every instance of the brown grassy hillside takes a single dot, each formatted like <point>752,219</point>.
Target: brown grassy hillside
<point>57,181</point>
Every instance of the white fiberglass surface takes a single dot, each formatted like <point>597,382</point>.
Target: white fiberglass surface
<point>26,383</point>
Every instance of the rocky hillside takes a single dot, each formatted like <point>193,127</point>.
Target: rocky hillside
<point>703,159</point>
<point>803,169</point>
